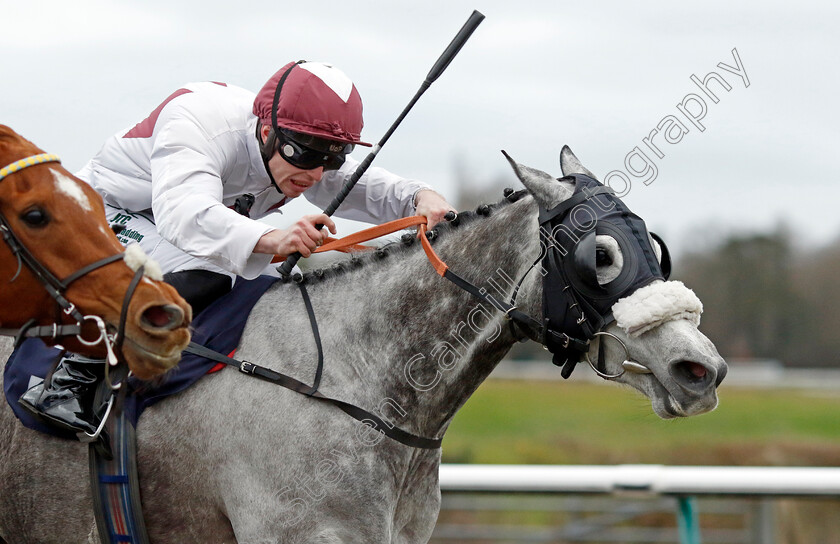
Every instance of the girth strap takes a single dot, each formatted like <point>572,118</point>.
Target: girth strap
<point>297,386</point>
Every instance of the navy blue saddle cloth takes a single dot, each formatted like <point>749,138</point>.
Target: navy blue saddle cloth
<point>219,327</point>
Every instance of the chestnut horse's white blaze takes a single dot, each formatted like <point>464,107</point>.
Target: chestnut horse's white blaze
<point>71,188</point>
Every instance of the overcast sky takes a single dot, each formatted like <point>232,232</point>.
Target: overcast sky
<point>599,77</point>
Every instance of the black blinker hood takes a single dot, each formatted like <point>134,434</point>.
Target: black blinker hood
<point>573,301</point>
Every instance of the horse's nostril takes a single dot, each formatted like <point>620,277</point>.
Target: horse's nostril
<point>691,374</point>
<point>696,369</point>
<point>721,374</point>
<point>163,317</point>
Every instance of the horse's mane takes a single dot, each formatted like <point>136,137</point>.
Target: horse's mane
<point>405,244</point>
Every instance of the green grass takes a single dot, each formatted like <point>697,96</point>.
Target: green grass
<point>572,423</point>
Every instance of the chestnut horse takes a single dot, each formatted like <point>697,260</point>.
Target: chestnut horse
<point>59,247</point>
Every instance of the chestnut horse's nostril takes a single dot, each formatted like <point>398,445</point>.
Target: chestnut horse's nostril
<point>166,317</point>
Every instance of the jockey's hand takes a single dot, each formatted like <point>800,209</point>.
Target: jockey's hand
<point>432,206</point>
<point>301,237</point>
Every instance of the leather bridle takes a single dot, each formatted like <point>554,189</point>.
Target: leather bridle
<point>57,287</point>
<point>522,325</point>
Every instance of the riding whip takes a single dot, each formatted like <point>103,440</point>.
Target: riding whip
<point>457,43</point>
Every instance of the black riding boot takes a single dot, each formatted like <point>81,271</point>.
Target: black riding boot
<point>65,399</point>
<point>200,288</point>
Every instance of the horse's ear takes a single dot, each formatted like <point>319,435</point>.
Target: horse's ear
<point>569,164</point>
<point>547,190</point>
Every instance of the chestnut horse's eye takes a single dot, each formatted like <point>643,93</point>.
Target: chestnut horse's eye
<point>35,217</point>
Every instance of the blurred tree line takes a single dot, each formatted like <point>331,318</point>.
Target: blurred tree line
<point>764,300</point>
<point>761,298</point>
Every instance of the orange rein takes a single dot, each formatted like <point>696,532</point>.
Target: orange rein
<point>352,242</point>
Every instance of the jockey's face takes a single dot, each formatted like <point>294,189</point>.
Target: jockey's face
<point>291,180</point>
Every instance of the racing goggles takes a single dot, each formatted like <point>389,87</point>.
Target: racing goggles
<point>310,152</point>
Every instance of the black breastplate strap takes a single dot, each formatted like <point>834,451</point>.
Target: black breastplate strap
<point>311,391</point>
<point>298,386</point>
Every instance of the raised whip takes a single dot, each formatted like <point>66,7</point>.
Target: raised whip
<point>457,43</point>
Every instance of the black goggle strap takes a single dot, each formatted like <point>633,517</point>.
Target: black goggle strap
<point>267,148</point>
<point>274,126</point>
<point>271,143</point>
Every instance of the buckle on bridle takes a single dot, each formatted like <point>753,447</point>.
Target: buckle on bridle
<point>246,367</point>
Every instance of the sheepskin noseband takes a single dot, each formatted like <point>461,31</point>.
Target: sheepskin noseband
<point>135,257</point>
<point>655,304</point>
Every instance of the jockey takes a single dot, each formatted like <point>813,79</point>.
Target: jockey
<point>188,182</point>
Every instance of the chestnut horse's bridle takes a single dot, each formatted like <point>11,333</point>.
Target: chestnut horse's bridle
<point>57,287</point>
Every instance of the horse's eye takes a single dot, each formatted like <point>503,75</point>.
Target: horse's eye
<point>602,258</point>
<point>35,217</point>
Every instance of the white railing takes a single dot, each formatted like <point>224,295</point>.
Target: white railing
<point>654,479</point>
<point>684,483</point>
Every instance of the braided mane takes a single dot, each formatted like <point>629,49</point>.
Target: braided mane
<point>404,244</point>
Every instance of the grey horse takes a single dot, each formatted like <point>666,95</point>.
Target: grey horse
<point>238,460</point>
